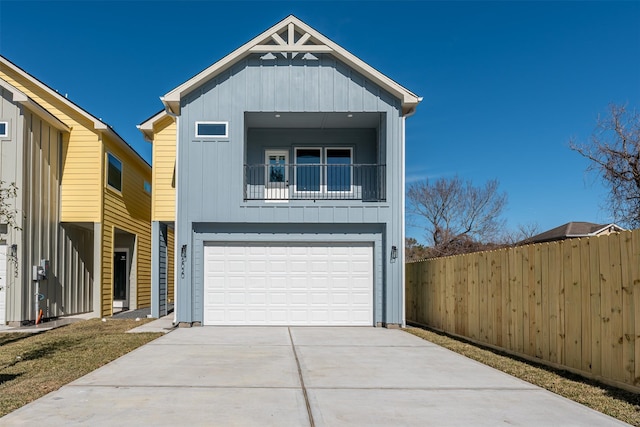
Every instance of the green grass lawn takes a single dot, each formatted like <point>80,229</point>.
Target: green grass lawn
<point>32,365</point>
<point>617,403</point>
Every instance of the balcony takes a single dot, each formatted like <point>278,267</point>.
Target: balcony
<point>282,182</point>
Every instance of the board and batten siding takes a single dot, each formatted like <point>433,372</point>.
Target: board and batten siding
<point>170,265</point>
<point>31,157</point>
<point>211,171</point>
<point>163,206</point>
<point>128,210</point>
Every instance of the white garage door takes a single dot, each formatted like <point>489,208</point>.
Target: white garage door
<point>288,284</point>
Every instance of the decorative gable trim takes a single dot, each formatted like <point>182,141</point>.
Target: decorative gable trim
<point>289,38</point>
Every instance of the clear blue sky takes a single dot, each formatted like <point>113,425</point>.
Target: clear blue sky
<point>505,84</point>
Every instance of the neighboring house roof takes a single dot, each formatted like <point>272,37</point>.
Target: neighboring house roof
<point>572,230</point>
<point>22,98</point>
<point>146,127</point>
<point>98,124</point>
<point>291,35</point>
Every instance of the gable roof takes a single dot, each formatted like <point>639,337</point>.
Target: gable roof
<point>146,127</point>
<point>22,98</point>
<point>98,124</point>
<point>291,35</point>
<point>572,230</point>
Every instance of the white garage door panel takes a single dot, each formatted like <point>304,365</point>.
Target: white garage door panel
<point>294,284</point>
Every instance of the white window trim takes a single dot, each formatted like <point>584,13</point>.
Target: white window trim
<point>6,129</point>
<point>226,129</point>
<point>106,179</point>
<point>326,157</point>
<point>321,190</point>
<point>324,188</point>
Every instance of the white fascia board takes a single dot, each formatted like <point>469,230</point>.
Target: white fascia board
<point>146,127</point>
<point>617,227</point>
<point>20,97</point>
<point>178,92</point>
<point>409,100</point>
<point>46,116</point>
<point>368,71</point>
<point>97,123</point>
<point>16,94</point>
<point>148,124</point>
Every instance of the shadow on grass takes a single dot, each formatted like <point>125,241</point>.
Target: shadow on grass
<point>8,377</point>
<point>50,348</point>
<point>8,338</point>
<point>45,350</point>
<point>613,392</point>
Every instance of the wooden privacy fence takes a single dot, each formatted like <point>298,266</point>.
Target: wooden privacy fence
<point>573,304</point>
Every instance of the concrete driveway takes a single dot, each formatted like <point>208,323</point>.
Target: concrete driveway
<point>243,376</point>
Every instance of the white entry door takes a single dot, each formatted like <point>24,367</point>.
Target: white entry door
<point>3,284</point>
<point>288,284</point>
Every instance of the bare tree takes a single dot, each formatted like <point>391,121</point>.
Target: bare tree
<point>614,152</point>
<point>521,234</point>
<point>7,211</point>
<point>457,216</point>
<point>414,251</point>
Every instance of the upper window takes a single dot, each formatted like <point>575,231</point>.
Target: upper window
<point>147,187</point>
<point>339,169</point>
<point>114,172</point>
<point>327,170</point>
<point>4,129</point>
<point>308,162</point>
<point>212,130</point>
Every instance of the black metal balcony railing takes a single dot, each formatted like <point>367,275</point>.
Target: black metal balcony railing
<point>280,182</point>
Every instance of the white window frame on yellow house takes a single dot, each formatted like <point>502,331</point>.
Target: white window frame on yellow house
<point>119,190</point>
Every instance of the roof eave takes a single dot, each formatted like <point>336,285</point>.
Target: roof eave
<point>147,127</point>
<point>22,98</point>
<point>408,99</point>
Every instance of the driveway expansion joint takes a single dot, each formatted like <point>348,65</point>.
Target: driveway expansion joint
<point>304,389</point>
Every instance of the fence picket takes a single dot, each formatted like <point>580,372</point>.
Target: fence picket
<point>544,286</point>
<point>538,317</point>
<point>585,302</point>
<point>628,335</point>
<point>617,358</point>
<point>574,303</point>
<point>525,297</point>
<point>635,302</point>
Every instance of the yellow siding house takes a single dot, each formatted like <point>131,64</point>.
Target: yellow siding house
<point>92,230</point>
<point>161,130</point>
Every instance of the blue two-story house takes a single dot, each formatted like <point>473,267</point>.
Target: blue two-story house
<point>288,183</point>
